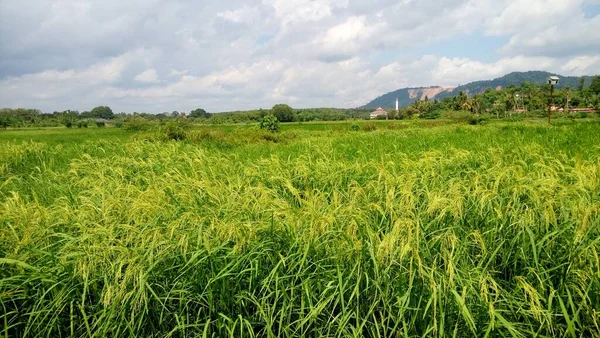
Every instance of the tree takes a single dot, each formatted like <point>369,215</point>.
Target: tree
<point>5,118</point>
<point>102,112</point>
<point>283,112</point>
<point>595,86</point>
<point>68,117</point>
<point>200,113</point>
<point>581,84</point>
<point>460,100</point>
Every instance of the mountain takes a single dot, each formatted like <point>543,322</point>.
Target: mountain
<point>406,96</point>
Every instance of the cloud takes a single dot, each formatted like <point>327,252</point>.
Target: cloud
<point>148,76</point>
<point>241,15</point>
<point>160,55</point>
<point>546,27</point>
<point>559,39</point>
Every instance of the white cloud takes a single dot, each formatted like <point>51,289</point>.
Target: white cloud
<point>582,65</point>
<point>567,38</point>
<point>148,76</point>
<point>294,11</point>
<point>546,27</point>
<point>230,55</point>
<point>527,15</point>
<point>241,15</point>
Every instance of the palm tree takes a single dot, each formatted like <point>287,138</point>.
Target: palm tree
<point>461,99</point>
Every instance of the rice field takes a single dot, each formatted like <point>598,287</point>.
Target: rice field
<point>404,231</point>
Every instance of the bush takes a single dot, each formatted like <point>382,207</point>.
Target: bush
<point>174,130</point>
<point>369,127</point>
<point>100,124</point>
<point>431,115</point>
<point>355,127</point>
<point>463,116</point>
<point>270,123</point>
<point>119,123</point>
<point>138,124</point>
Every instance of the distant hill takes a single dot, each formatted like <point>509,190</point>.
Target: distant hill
<point>406,96</point>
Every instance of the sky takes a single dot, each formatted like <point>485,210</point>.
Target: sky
<point>165,55</point>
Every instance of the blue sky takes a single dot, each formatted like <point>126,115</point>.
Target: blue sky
<point>159,55</point>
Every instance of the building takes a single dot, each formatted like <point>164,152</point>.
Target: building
<point>573,110</point>
<point>378,112</point>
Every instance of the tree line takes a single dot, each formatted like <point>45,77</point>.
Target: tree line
<point>528,98</point>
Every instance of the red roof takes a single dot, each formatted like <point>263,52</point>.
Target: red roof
<point>379,111</point>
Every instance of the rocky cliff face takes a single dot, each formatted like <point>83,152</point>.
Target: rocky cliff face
<point>430,92</point>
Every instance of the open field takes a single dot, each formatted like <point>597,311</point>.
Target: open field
<point>410,230</point>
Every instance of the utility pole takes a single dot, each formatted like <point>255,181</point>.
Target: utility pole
<point>552,80</point>
<point>566,111</point>
<point>551,102</point>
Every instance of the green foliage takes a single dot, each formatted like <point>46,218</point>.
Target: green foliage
<point>19,117</point>
<point>200,113</point>
<point>5,120</point>
<point>460,116</point>
<point>270,123</point>
<point>82,123</point>
<point>137,124</point>
<point>369,127</point>
<point>101,112</point>
<point>119,123</point>
<point>595,86</point>
<point>432,114</point>
<point>174,130</point>
<point>410,111</point>
<point>355,127</point>
<point>100,124</point>
<point>283,112</point>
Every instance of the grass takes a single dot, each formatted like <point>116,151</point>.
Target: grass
<point>409,230</point>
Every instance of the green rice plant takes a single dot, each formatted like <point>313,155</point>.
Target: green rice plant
<point>448,230</point>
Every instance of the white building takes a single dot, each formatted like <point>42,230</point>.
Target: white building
<point>378,112</point>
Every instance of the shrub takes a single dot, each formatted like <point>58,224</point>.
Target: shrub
<point>431,115</point>
<point>270,123</point>
<point>369,127</point>
<point>82,124</point>
<point>174,130</point>
<point>138,124</point>
<point>119,123</point>
<point>355,127</point>
<point>462,116</point>
<point>100,124</point>
<point>275,138</point>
